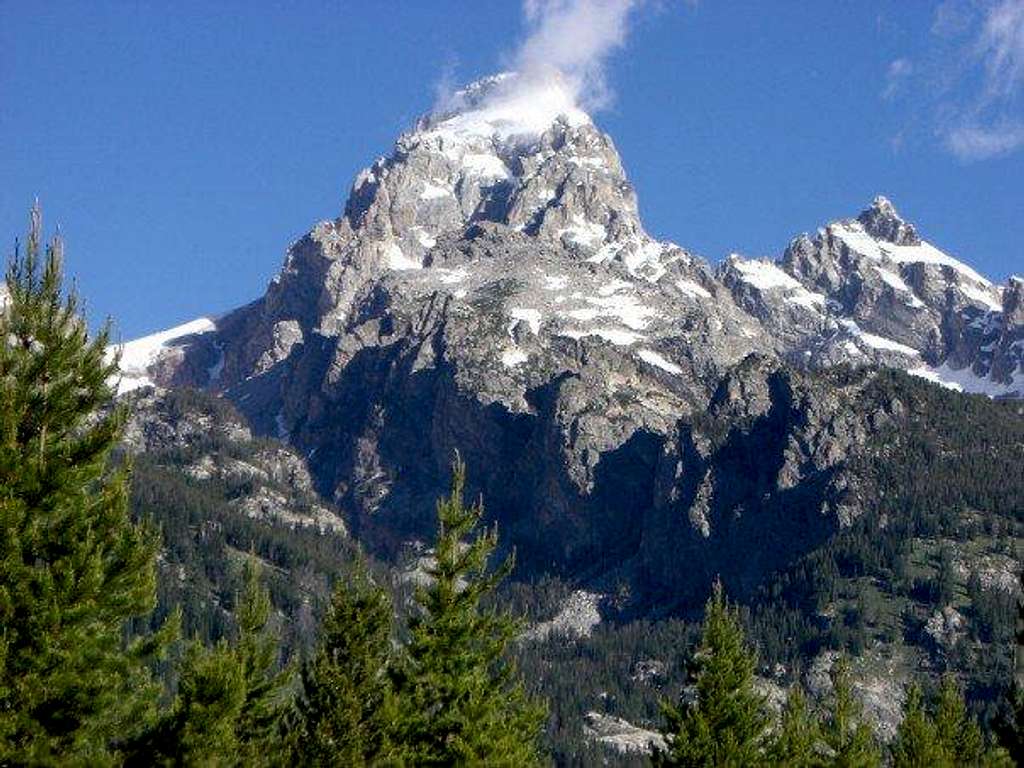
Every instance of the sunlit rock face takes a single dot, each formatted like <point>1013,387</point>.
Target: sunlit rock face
<point>489,287</point>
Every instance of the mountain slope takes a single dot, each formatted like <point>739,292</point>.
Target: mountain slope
<point>490,287</point>
<point>637,421</point>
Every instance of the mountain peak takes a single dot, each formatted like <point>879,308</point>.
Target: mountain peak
<point>882,222</point>
<point>506,106</point>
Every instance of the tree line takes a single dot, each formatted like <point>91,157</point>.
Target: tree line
<point>77,687</point>
<point>723,720</point>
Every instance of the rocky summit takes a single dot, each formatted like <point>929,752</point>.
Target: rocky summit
<point>489,287</point>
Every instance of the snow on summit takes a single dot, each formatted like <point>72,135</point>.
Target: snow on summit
<point>507,105</point>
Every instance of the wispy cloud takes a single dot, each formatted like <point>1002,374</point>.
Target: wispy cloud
<point>1001,47</point>
<point>983,142</point>
<point>967,83</point>
<point>989,121</point>
<point>899,71</point>
<point>574,38</point>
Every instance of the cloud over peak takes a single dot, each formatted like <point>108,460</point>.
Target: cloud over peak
<point>573,38</point>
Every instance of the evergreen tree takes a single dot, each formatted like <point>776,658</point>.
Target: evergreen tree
<point>949,739</point>
<point>74,569</point>
<point>958,734</point>
<point>231,697</point>
<point>945,580</point>
<point>726,723</point>
<point>461,701</point>
<point>1011,725</point>
<point>796,743</point>
<point>846,734</point>
<point>345,714</point>
<point>917,743</point>
<point>258,652</point>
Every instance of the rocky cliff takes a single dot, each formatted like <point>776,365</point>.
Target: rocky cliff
<point>488,286</point>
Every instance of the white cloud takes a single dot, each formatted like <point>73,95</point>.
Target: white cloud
<point>899,71</point>
<point>981,143</point>
<point>988,120</point>
<point>559,66</point>
<point>573,38</point>
<point>1001,46</point>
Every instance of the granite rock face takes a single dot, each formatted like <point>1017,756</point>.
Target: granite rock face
<point>489,287</point>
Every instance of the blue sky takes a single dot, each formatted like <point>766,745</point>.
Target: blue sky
<point>182,147</point>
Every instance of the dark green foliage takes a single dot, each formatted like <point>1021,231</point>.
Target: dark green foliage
<point>74,569</point>
<point>938,492</point>
<point>1010,726</point>
<point>846,734</point>
<point>797,742</point>
<point>917,740</point>
<point>726,723</point>
<point>460,700</point>
<point>946,581</point>
<point>604,673</point>
<point>946,737</point>
<point>231,697</point>
<point>345,711</point>
<point>205,535</point>
<point>958,733</point>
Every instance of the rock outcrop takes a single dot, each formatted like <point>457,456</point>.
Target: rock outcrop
<point>489,287</point>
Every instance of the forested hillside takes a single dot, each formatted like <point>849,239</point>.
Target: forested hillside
<point>922,583</point>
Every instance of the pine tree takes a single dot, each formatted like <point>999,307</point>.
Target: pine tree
<point>727,722</point>
<point>258,651</point>
<point>74,569</point>
<point>958,734</point>
<point>460,699</point>
<point>947,739</point>
<point>345,714</point>
<point>1011,724</point>
<point>917,743</point>
<point>795,745</point>
<point>846,734</point>
<point>945,580</point>
<point>231,697</point>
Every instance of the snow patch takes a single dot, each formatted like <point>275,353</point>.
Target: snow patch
<point>807,299</point>
<point>395,259</point>
<point>646,261</point>
<point>434,192</point>
<point>616,336</point>
<point>583,232</point>
<point>425,238</point>
<point>651,357</point>
<point>853,234</point>
<point>484,166</point>
<point>138,355</point>
<point>510,358</point>
<point>452,276</point>
<point>690,288</point>
<point>981,296</point>
<point>623,307</point>
<point>763,275</point>
<point>895,281</point>
<point>878,342</point>
<point>531,316</point>
<point>966,380</point>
